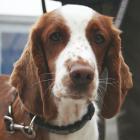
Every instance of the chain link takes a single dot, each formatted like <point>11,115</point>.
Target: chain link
<point>12,127</point>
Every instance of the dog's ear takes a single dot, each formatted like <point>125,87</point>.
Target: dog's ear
<point>30,76</point>
<point>25,80</point>
<point>126,79</point>
<point>43,72</point>
<point>119,77</point>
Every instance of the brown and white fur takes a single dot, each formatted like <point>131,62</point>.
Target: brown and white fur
<point>64,42</point>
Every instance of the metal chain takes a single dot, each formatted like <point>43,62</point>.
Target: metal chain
<point>29,130</point>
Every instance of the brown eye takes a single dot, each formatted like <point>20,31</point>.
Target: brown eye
<point>99,39</point>
<point>56,36</point>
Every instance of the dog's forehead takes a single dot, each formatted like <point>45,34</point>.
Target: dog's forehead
<point>77,16</point>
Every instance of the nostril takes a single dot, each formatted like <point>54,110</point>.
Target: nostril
<point>76,75</point>
<point>89,76</point>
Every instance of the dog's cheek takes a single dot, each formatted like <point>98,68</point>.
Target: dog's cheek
<point>60,73</point>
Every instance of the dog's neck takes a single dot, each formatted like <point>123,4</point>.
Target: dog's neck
<point>70,111</point>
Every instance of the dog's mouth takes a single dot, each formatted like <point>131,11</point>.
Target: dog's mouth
<point>84,93</point>
<point>74,96</point>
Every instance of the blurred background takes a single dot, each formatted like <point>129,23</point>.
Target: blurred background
<point>17,17</point>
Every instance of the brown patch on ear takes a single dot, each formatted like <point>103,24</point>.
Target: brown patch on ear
<point>29,72</point>
<point>23,78</point>
<point>121,82</point>
<point>126,79</point>
<point>39,56</point>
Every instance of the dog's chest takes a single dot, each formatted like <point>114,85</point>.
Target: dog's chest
<point>88,132</point>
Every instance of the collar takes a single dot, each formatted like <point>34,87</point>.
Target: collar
<point>29,130</point>
<point>64,130</point>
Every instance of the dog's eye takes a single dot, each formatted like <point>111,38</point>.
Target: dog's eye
<point>99,38</point>
<point>56,37</point>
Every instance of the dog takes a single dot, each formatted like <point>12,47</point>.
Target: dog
<point>52,91</point>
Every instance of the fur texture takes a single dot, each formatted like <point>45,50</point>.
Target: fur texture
<point>62,39</point>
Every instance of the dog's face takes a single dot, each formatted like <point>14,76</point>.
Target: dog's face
<point>75,45</point>
<point>68,50</point>
<point>75,66</point>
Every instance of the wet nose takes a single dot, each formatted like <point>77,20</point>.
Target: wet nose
<point>81,74</point>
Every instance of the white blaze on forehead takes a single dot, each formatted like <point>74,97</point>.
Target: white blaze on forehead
<point>77,17</point>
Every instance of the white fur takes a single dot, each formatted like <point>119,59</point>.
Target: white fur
<point>88,132</point>
<point>76,18</point>
<point>67,111</point>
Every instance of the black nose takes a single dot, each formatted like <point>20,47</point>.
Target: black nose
<point>81,74</point>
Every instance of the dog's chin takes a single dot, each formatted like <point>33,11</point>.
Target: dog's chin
<point>76,96</point>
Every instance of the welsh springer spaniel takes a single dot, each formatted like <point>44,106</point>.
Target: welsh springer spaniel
<point>58,75</point>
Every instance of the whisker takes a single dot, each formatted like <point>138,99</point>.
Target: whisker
<point>107,78</point>
<point>39,82</point>
<point>48,73</point>
<point>100,95</point>
<point>49,87</point>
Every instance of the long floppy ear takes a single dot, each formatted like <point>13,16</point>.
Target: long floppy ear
<point>24,79</point>
<point>40,60</point>
<point>126,79</point>
<point>30,77</point>
<point>119,76</point>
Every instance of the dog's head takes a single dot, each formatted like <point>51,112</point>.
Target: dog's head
<point>67,52</point>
